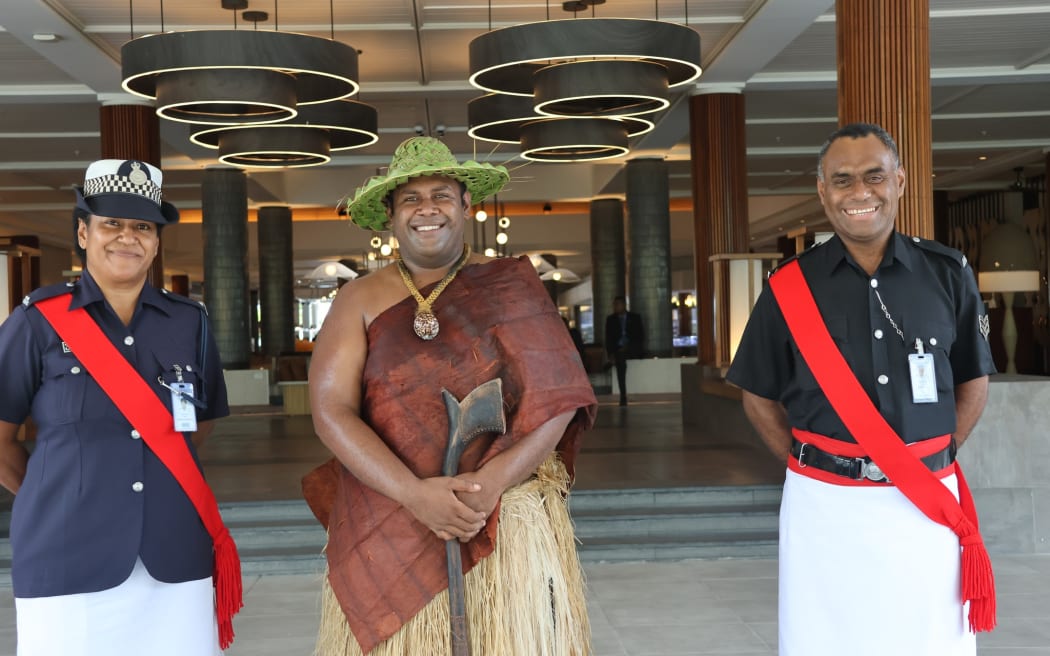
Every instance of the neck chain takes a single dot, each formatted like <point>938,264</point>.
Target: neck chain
<point>426,324</point>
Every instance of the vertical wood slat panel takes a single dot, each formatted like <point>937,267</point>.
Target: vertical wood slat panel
<point>720,220</point>
<point>884,78</point>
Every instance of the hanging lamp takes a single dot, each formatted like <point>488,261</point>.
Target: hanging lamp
<point>307,140</point>
<point>223,77</point>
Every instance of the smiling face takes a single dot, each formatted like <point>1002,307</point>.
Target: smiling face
<point>119,251</point>
<point>428,215</point>
<point>860,189</point>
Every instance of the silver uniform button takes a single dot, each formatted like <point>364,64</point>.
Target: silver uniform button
<point>135,435</point>
<point>137,486</point>
<point>874,283</point>
<point>129,340</point>
<point>74,370</point>
<point>878,333</point>
<point>70,284</point>
<point>883,379</point>
<point>933,341</point>
<point>916,240</point>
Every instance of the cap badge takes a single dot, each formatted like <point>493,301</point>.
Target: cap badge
<point>137,175</point>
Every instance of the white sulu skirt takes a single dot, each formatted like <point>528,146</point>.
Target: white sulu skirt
<point>863,572</point>
<point>140,616</point>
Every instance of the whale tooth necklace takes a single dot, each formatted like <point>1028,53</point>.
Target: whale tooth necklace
<point>426,324</point>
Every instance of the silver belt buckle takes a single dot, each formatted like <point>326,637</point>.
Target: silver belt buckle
<point>872,472</point>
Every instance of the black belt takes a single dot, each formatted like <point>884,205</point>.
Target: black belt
<point>861,468</point>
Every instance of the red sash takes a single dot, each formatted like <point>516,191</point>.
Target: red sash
<point>151,418</point>
<point>882,443</point>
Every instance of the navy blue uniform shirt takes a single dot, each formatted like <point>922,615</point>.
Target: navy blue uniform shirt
<point>930,292</point>
<point>95,497</point>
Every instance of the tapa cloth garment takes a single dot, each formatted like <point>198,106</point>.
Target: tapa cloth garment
<point>863,572</point>
<point>525,599</point>
<point>497,321</point>
<point>138,617</point>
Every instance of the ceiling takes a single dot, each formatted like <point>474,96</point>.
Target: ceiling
<point>990,98</point>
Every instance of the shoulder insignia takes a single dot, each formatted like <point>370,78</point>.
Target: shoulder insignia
<point>50,291</point>
<point>931,246</point>
<point>172,296</point>
<point>796,256</point>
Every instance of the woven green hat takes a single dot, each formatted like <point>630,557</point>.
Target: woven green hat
<point>416,157</point>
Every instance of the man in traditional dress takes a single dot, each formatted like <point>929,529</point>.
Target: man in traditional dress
<point>864,365</point>
<point>444,318</point>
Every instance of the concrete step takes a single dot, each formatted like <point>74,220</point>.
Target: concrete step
<point>283,537</point>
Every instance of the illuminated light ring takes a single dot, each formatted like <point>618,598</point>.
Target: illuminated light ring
<point>601,88</point>
<point>274,147</point>
<point>573,139</point>
<point>499,118</point>
<point>503,60</point>
<point>323,69</point>
<point>219,97</point>
<point>349,124</point>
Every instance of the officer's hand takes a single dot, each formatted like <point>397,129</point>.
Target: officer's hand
<point>436,505</point>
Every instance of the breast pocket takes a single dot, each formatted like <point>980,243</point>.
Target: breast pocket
<point>937,338</point>
<point>60,399</point>
<point>177,365</point>
<point>837,327</point>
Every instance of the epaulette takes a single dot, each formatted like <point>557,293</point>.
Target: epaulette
<point>184,299</point>
<point>809,249</point>
<point>45,293</point>
<point>932,246</point>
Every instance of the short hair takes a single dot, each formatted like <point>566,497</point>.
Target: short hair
<point>622,299</point>
<point>858,131</point>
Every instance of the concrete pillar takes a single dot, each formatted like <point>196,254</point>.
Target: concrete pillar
<point>608,260</point>
<point>720,222</point>
<point>276,280</point>
<point>649,269</point>
<point>225,235</point>
<point>133,132</point>
<point>884,78</point>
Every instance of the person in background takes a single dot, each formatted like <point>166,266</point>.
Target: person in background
<point>624,339</point>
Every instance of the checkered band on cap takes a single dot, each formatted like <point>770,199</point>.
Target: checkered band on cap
<point>123,177</point>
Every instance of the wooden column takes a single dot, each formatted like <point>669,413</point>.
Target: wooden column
<point>133,132</point>
<point>720,222</point>
<point>884,78</point>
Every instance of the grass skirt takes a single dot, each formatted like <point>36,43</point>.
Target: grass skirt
<point>525,599</point>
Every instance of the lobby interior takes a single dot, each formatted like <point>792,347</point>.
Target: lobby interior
<point>989,72</point>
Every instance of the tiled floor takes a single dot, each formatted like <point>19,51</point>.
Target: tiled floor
<point>693,607</point>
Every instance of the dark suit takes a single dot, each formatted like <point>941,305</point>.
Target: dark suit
<point>624,338</point>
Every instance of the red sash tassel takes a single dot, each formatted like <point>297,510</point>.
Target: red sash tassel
<point>878,439</point>
<point>145,411</point>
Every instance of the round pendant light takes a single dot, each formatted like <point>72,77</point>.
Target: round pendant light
<point>573,139</point>
<point>504,60</point>
<point>198,74</point>
<point>307,140</point>
<point>499,118</point>
<point>599,87</point>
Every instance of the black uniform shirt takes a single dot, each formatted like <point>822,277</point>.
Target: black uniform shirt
<point>94,496</point>
<point>929,291</point>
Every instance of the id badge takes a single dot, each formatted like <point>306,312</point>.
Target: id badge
<point>923,378</point>
<point>183,411</point>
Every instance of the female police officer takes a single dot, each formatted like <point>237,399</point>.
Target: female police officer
<point>110,555</point>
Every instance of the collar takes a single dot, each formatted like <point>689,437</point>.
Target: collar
<point>86,291</point>
<point>833,254</point>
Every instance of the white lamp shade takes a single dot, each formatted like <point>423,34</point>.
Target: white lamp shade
<point>331,271</point>
<point>560,275</point>
<point>1008,281</point>
<point>540,263</point>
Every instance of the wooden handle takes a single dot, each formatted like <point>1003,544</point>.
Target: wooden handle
<point>457,602</point>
